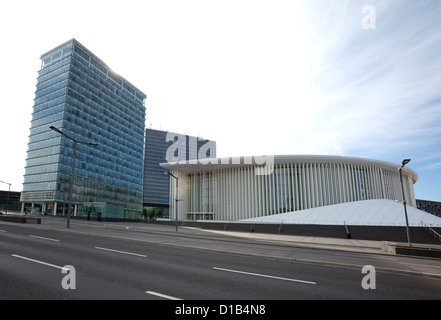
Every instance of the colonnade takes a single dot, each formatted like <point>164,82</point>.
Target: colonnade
<point>230,194</point>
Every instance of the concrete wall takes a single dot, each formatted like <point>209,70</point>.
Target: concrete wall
<point>377,233</point>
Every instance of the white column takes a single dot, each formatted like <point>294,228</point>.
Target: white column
<point>341,185</point>
<point>296,188</point>
<point>224,205</point>
<point>314,185</point>
<point>412,200</point>
<point>353,184</point>
<point>240,185</point>
<point>251,193</point>
<point>303,188</point>
<point>347,183</point>
<point>235,197</point>
<point>380,183</point>
<point>259,197</point>
<point>328,185</point>
<point>358,186</point>
<point>272,191</point>
<point>290,187</point>
<point>265,193</point>
<point>344,169</point>
<point>375,173</point>
<point>334,184</point>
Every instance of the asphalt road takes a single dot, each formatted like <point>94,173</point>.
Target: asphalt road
<point>105,268</point>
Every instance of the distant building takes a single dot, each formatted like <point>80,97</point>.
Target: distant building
<point>81,96</point>
<point>433,207</point>
<point>9,201</point>
<point>164,146</point>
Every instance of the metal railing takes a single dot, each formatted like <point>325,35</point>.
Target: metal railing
<point>431,231</point>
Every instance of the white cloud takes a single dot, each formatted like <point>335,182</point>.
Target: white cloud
<point>259,77</point>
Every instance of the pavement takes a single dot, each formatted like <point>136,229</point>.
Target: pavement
<point>143,230</point>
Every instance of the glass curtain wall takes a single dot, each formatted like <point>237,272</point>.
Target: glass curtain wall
<point>80,95</point>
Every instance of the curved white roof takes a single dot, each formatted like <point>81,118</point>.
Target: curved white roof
<point>368,212</point>
<point>192,166</point>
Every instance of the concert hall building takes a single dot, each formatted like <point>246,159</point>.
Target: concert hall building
<point>235,189</point>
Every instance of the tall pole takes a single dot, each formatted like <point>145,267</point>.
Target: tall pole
<point>404,200</point>
<point>7,201</point>
<point>176,198</point>
<point>176,205</point>
<point>69,209</point>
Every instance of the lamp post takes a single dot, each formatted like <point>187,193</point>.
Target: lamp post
<point>405,161</point>
<point>69,209</point>
<point>176,196</point>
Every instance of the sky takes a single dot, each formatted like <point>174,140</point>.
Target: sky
<point>333,77</point>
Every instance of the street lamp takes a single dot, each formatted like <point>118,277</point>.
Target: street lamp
<point>176,196</point>
<point>73,168</point>
<point>405,161</point>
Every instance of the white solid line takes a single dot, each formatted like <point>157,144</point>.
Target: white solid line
<point>264,275</point>
<point>162,295</point>
<point>124,252</point>
<point>38,237</point>
<point>38,261</point>
<point>3,231</point>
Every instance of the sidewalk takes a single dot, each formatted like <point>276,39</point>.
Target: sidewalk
<point>99,228</point>
<point>306,242</point>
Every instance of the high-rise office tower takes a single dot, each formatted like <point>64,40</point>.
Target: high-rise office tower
<point>78,94</point>
<point>163,146</point>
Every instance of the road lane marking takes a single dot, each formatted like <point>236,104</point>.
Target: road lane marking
<point>44,238</point>
<point>3,231</point>
<point>264,275</point>
<point>162,295</point>
<point>38,261</point>
<point>123,252</point>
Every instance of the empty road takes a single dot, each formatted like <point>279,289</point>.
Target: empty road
<point>39,263</point>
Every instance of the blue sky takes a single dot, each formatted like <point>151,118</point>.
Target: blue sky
<point>258,76</point>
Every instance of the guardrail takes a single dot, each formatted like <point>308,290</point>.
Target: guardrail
<point>348,233</point>
<point>431,231</point>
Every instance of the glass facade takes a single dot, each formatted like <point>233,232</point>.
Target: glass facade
<point>80,95</point>
<point>9,201</point>
<point>163,146</point>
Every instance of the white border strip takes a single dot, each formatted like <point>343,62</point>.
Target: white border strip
<point>123,252</point>
<point>162,295</point>
<point>38,237</point>
<point>264,275</point>
<point>38,261</point>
